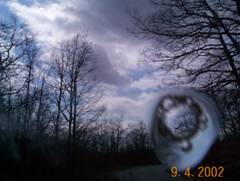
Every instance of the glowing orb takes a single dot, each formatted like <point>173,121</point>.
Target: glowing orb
<point>184,126</point>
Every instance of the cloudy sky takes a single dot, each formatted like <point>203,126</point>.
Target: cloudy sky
<point>130,86</point>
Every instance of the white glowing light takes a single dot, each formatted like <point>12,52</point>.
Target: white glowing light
<point>184,126</point>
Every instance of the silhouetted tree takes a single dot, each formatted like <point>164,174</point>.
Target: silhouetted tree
<point>138,138</point>
<point>76,96</point>
<point>14,43</point>
<point>197,40</point>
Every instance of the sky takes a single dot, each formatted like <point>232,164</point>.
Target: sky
<point>130,85</point>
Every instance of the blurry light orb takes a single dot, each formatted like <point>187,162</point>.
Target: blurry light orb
<point>184,126</point>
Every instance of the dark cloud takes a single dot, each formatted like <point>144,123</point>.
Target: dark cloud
<point>107,22</point>
<point>105,72</point>
<point>106,18</point>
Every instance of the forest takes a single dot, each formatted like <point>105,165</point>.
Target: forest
<point>52,123</point>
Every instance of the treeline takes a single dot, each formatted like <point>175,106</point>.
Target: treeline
<point>52,126</point>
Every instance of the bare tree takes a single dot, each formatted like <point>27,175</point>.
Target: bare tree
<point>76,98</point>
<point>42,111</point>
<point>14,43</point>
<point>229,102</point>
<point>32,55</point>
<point>117,132</point>
<point>138,137</point>
<point>198,38</point>
<point>111,134</point>
<point>17,56</point>
<point>59,68</point>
